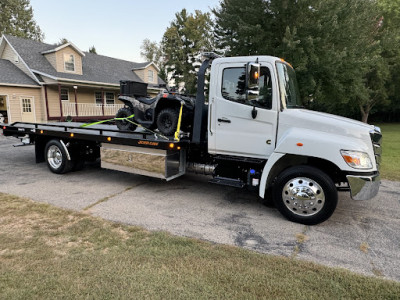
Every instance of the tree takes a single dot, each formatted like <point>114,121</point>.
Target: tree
<point>334,45</point>
<point>152,51</point>
<point>92,50</point>
<point>62,41</point>
<point>16,18</point>
<point>183,42</point>
<point>390,22</point>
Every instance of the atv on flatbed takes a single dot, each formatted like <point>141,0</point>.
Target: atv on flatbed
<point>160,112</point>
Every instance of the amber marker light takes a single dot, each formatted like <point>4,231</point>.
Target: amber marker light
<point>300,144</point>
<point>351,160</point>
<point>179,148</point>
<point>287,63</point>
<point>171,145</point>
<point>41,131</point>
<point>71,135</point>
<point>109,139</point>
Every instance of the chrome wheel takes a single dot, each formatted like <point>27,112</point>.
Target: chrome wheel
<point>54,156</point>
<point>303,196</point>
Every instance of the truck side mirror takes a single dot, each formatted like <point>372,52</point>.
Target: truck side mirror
<point>252,78</point>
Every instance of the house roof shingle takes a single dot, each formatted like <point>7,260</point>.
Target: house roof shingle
<point>12,75</point>
<point>95,68</point>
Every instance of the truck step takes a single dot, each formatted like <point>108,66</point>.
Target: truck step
<point>228,181</point>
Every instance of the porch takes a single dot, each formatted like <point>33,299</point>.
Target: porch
<point>65,101</point>
<point>90,110</point>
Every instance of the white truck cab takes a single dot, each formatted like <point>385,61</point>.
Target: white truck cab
<point>308,155</point>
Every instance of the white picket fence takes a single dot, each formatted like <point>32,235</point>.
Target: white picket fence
<point>90,110</point>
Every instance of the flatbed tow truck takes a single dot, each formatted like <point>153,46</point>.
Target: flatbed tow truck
<point>252,133</point>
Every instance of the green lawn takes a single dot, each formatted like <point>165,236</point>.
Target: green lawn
<point>50,253</point>
<point>390,168</point>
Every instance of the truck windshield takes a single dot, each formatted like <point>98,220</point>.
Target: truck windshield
<point>288,88</point>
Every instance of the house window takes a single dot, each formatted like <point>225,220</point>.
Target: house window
<point>26,105</point>
<point>109,98</point>
<point>64,95</point>
<point>99,98</point>
<point>69,62</point>
<point>150,76</point>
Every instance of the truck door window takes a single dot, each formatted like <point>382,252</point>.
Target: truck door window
<point>233,87</point>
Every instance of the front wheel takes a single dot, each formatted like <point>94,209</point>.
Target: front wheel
<point>305,195</point>
<point>125,125</point>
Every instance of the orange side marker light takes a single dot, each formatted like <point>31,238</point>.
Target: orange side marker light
<point>300,144</point>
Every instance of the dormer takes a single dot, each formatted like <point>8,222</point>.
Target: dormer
<point>66,58</point>
<point>148,73</point>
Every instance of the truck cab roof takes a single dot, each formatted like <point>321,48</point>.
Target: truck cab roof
<point>264,58</point>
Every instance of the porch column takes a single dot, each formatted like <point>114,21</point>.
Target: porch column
<point>103,100</point>
<point>76,100</point>
<point>59,97</point>
<point>47,102</point>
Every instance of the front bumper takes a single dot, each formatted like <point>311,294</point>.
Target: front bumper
<point>364,187</point>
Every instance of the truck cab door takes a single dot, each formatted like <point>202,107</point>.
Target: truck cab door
<point>232,128</point>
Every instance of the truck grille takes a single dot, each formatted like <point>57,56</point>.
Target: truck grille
<point>376,138</point>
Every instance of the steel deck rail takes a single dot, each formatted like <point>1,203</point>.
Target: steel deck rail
<point>96,133</point>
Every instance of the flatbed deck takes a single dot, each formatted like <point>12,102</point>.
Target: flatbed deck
<point>101,133</point>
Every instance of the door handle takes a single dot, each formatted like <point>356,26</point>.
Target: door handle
<point>224,120</point>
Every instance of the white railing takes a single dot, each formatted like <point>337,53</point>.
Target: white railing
<point>92,110</point>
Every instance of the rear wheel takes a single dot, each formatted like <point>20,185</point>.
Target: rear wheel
<point>305,195</point>
<point>167,121</point>
<point>125,125</point>
<point>56,158</point>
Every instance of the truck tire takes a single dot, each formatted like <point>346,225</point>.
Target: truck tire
<point>167,120</point>
<point>56,157</point>
<point>305,195</point>
<point>124,124</point>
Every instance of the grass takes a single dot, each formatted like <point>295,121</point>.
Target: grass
<point>50,253</point>
<point>390,168</point>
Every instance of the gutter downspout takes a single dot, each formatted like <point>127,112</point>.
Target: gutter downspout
<point>59,97</point>
<point>47,102</point>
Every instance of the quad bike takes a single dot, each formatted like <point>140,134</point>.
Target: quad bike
<point>161,112</point>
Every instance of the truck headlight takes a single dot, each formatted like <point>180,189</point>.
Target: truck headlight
<point>356,159</point>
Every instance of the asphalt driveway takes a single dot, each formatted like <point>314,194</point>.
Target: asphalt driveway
<point>360,236</point>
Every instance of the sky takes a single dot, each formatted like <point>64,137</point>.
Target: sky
<point>116,28</point>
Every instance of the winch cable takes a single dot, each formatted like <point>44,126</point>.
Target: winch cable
<point>125,119</point>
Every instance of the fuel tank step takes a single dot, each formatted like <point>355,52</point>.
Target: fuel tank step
<point>228,182</point>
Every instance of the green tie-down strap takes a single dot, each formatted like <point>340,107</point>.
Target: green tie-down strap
<point>124,119</point>
<point>114,119</point>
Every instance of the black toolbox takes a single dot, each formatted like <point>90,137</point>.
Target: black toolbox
<point>133,88</point>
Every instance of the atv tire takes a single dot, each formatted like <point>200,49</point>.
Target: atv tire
<point>167,120</point>
<point>125,125</point>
